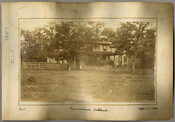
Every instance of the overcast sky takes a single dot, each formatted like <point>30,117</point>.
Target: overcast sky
<point>30,24</point>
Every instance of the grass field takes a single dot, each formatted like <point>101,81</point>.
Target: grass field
<point>85,86</point>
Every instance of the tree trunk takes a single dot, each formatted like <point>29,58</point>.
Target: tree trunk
<point>134,65</point>
<point>143,71</point>
<point>121,61</point>
<point>57,60</point>
<point>74,59</point>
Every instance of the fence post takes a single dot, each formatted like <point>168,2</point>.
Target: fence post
<point>25,65</point>
<point>39,65</point>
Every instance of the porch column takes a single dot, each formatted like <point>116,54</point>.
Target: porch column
<point>106,57</point>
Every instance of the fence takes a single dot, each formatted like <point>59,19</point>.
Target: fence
<point>54,66</point>
<point>43,65</point>
<point>106,68</point>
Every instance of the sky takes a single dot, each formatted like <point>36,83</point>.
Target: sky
<point>30,24</point>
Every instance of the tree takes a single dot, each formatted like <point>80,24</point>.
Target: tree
<point>132,37</point>
<point>147,50</point>
<point>74,38</point>
<point>33,45</point>
<point>108,34</point>
<point>58,40</point>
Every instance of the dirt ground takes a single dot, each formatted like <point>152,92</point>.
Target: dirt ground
<point>85,86</point>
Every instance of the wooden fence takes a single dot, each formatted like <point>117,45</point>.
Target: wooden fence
<point>106,68</point>
<point>54,66</point>
<point>43,65</point>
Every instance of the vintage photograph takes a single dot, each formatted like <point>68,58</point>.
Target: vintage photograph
<point>104,61</point>
<point>88,60</point>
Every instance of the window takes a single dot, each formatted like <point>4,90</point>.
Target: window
<point>104,48</point>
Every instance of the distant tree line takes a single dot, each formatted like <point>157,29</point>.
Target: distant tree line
<point>70,39</point>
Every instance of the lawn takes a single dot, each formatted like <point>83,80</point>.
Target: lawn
<point>85,86</point>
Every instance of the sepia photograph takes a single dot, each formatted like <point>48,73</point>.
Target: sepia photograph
<point>105,61</point>
<point>88,61</point>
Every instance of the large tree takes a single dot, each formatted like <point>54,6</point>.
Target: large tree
<point>72,39</point>
<point>133,39</point>
<point>58,40</point>
<point>32,45</point>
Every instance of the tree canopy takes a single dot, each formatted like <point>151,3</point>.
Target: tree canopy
<point>68,40</point>
<point>136,39</point>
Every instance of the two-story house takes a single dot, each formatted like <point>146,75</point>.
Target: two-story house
<point>107,52</point>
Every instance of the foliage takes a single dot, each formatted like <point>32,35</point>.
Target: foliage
<point>70,40</point>
<point>60,40</point>
<point>136,39</point>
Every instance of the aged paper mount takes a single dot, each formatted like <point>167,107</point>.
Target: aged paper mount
<point>87,61</point>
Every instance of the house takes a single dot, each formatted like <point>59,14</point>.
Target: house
<point>106,51</point>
